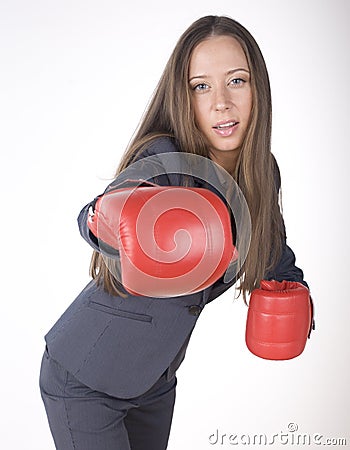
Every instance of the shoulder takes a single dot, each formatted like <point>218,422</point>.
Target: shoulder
<point>163,144</point>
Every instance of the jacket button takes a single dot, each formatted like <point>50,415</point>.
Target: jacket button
<point>194,310</point>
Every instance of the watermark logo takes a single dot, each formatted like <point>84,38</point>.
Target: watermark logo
<point>291,436</point>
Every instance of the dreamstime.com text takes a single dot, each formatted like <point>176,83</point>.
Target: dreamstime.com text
<point>289,437</point>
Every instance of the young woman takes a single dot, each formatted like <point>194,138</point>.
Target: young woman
<point>108,373</point>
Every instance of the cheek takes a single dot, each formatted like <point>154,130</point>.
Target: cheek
<point>199,113</point>
<point>246,108</point>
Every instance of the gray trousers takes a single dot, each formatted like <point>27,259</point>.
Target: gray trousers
<point>83,419</point>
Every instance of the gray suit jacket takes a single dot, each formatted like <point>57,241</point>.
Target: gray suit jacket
<point>121,346</point>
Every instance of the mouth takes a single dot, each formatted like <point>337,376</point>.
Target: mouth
<point>225,125</point>
<point>225,129</point>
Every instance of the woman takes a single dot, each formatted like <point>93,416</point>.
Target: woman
<point>108,372</point>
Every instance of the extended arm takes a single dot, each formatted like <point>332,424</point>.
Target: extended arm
<point>171,240</point>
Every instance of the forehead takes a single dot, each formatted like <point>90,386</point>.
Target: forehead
<point>217,53</point>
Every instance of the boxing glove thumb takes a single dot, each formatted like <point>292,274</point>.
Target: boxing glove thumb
<point>279,320</point>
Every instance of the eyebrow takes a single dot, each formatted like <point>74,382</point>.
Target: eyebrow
<point>230,72</point>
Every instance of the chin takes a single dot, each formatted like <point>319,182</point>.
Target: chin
<point>225,146</point>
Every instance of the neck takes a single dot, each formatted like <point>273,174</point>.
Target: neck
<point>226,159</point>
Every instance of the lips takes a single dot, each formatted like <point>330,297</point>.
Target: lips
<point>225,128</point>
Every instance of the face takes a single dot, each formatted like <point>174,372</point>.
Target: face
<point>221,94</point>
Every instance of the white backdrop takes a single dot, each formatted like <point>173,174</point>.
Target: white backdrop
<point>75,78</point>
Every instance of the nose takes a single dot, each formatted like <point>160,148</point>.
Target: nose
<point>222,100</point>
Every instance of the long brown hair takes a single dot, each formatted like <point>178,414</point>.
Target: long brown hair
<point>170,114</point>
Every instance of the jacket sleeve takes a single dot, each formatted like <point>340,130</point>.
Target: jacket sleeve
<point>285,269</point>
<point>83,227</point>
<point>132,176</point>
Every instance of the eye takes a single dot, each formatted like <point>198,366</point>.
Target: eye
<point>200,87</point>
<point>237,82</point>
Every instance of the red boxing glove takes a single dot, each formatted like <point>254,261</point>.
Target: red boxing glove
<point>279,320</point>
<point>172,240</point>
